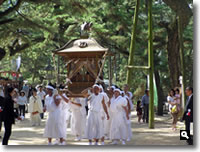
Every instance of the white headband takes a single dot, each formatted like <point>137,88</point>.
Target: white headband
<point>100,86</point>
<point>49,87</point>
<point>118,90</point>
<point>95,85</point>
<point>113,87</point>
<point>58,97</point>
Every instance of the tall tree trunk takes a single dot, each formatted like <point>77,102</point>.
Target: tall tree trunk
<point>182,9</point>
<point>173,54</point>
<point>160,93</point>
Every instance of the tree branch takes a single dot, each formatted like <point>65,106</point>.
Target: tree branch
<point>11,9</point>
<point>6,21</point>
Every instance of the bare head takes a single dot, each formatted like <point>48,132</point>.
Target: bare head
<point>34,92</point>
<point>126,88</point>
<point>40,88</point>
<point>189,91</point>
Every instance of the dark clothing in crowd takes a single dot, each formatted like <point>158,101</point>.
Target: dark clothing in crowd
<point>139,111</point>
<point>9,118</point>
<point>146,113</point>
<point>1,112</point>
<point>22,110</point>
<point>188,116</point>
<point>42,114</point>
<point>145,104</point>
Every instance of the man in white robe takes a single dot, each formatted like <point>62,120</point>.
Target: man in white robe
<point>56,122</point>
<point>129,97</point>
<point>103,115</point>
<point>96,101</point>
<point>76,120</point>
<point>118,124</point>
<point>128,121</point>
<point>108,122</point>
<point>35,108</point>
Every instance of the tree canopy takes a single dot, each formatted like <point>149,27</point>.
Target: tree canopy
<point>33,28</point>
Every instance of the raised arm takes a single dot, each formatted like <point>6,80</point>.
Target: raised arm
<point>64,98</point>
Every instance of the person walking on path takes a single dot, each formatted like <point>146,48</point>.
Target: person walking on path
<point>96,102</point>
<point>139,111</point>
<point>22,102</point>
<point>145,105</point>
<point>42,95</point>
<point>35,108</point>
<point>173,107</point>
<point>8,115</point>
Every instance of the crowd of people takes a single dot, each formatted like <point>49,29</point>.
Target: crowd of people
<point>174,100</point>
<point>103,113</point>
<point>97,116</point>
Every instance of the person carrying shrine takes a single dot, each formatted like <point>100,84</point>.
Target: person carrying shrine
<point>96,102</point>
<point>118,130</point>
<point>56,122</point>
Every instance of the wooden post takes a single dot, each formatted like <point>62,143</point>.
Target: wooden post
<point>151,65</point>
<point>180,36</point>
<point>58,67</point>
<point>132,46</point>
<point>110,70</point>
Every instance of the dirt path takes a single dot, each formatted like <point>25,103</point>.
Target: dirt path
<point>24,134</point>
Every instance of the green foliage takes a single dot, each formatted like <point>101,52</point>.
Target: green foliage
<point>49,24</point>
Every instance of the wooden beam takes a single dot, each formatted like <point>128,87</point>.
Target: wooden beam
<point>138,67</point>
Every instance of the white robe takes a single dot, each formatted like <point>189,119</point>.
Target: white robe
<point>76,120</point>
<point>94,117</point>
<point>128,122</point>
<point>35,104</point>
<point>84,115</point>
<point>108,122</point>
<point>103,114</point>
<point>118,122</point>
<point>56,122</point>
<point>66,111</point>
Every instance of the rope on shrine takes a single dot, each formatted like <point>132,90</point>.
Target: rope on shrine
<point>101,69</point>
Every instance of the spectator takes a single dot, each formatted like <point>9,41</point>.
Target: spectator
<point>188,112</point>
<point>15,98</point>
<point>42,95</point>
<point>22,102</point>
<point>139,111</point>
<point>145,105</point>
<point>1,105</point>
<point>173,107</point>
<point>8,115</point>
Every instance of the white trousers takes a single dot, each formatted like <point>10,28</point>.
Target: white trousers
<point>118,127</point>
<point>128,125</point>
<point>76,123</point>
<point>93,125</point>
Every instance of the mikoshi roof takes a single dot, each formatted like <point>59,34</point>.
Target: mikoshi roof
<point>80,46</point>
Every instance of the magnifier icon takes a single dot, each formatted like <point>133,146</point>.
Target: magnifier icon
<point>184,134</point>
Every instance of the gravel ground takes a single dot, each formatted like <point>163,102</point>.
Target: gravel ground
<point>24,134</point>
